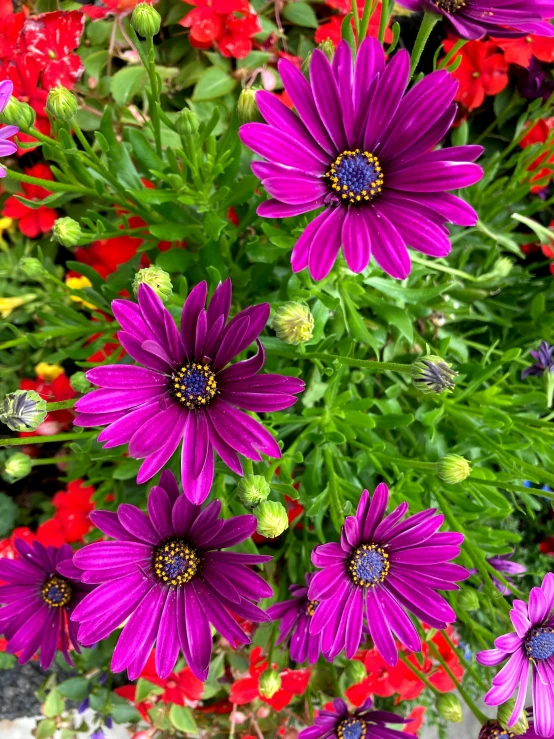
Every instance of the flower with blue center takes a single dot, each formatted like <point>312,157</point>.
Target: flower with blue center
<point>529,649</point>
<point>361,150</point>
<point>382,568</point>
<point>493,730</point>
<point>6,147</point>
<point>167,581</point>
<point>363,723</point>
<point>544,361</point>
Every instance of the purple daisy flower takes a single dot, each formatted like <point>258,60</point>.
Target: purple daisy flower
<point>504,565</point>
<point>165,573</point>
<point>294,629</point>
<point>493,730</point>
<point>363,723</point>
<point>38,600</point>
<point>544,361</point>
<point>187,391</point>
<point>6,147</point>
<point>384,568</point>
<point>473,19</point>
<point>363,151</point>
<point>531,647</point>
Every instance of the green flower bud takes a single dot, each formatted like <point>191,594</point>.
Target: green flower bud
<point>23,410</point>
<point>293,323</point>
<point>18,114</point>
<point>66,232</point>
<point>61,103</point>
<point>79,382</point>
<point>32,267</point>
<point>247,108</point>
<point>17,467</point>
<point>188,123</point>
<point>357,376</point>
<point>431,374</point>
<point>503,716</point>
<point>146,20</point>
<point>453,469</point>
<point>503,267</point>
<point>328,48</point>
<point>469,600</point>
<point>355,672</point>
<point>272,519</point>
<point>157,279</point>
<point>449,707</point>
<point>270,683</point>
<point>253,490</point>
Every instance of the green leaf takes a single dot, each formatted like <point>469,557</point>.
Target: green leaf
<point>414,295</point>
<point>170,231</point>
<point>128,82</point>
<point>182,719</point>
<point>146,688</point>
<point>8,513</point>
<point>214,83</point>
<point>53,705</point>
<point>76,688</point>
<point>127,470</point>
<point>301,14</point>
<point>95,63</point>
<point>45,728</point>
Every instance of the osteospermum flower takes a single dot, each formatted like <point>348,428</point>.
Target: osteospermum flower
<point>362,150</point>
<point>166,575</point>
<point>544,361</point>
<point>493,730</point>
<point>383,568</point>
<point>363,723</point>
<point>473,19</point>
<point>6,147</point>
<point>38,600</point>
<point>185,390</point>
<point>531,647</point>
<point>295,616</point>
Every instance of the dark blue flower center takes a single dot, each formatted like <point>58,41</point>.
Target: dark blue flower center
<point>356,176</point>
<point>450,6</point>
<point>369,565</point>
<point>352,728</point>
<point>194,385</point>
<point>539,643</point>
<point>56,592</point>
<point>175,562</point>
<point>311,606</point>
<point>493,730</point>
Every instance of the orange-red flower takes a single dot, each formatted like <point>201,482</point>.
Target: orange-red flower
<point>229,24</point>
<point>540,134</point>
<point>483,71</point>
<point>73,506</point>
<point>32,221</point>
<point>520,50</point>
<point>417,715</point>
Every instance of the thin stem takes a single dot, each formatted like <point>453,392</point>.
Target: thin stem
<point>429,21</point>
<point>418,673</point>
<point>361,363</point>
<point>154,114</point>
<point>467,665</point>
<point>50,460</point>
<point>356,17</point>
<point>46,439</point>
<point>61,405</point>
<point>50,185</point>
<point>461,42</point>
<point>417,464</point>
<point>369,9</point>
<point>334,497</point>
<point>385,15</point>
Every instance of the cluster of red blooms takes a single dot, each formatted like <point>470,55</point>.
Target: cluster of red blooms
<point>36,54</point>
<point>331,29</point>
<point>229,25</point>
<point>32,222</point>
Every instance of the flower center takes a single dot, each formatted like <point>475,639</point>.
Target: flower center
<point>194,385</point>
<point>493,730</point>
<point>352,728</point>
<point>356,176</point>
<point>175,562</point>
<point>311,606</point>
<point>539,643</point>
<point>369,565</point>
<point>450,6</point>
<point>56,592</point>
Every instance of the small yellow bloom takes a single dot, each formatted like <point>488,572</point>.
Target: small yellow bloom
<point>8,305</point>
<point>78,283</point>
<point>5,224</point>
<point>48,372</point>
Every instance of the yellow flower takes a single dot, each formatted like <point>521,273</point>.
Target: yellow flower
<point>78,283</point>
<point>48,372</point>
<point>7,305</point>
<point>5,225</point>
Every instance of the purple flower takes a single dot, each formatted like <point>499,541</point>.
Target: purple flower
<point>544,361</point>
<point>165,573</point>
<point>362,150</point>
<point>385,568</point>
<point>6,147</point>
<point>294,629</point>
<point>186,391</point>
<point>38,600</point>
<point>362,723</point>
<point>530,647</point>
<point>473,19</point>
<point>493,730</point>
<point>507,568</point>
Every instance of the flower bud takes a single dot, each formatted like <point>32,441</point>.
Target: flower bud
<point>431,374</point>
<point>79,382</point>
<point>503,267</point>
<point>156,278</point>
<point>17,467</point>
<point>247,108</point>
<point>293,323</point>
<point>355,672</point>
<point>18,114</point>
<point>468,600</point>
<point>503,716</point>
<point>66,232</point>
<point>270,683</point>
<point>23,410</point>
<point>328,48</point>
<point>146,20</point>
<point>449,707</point>
<point>61,103</point>
<point>32,267</point>
<point>453,469</point>
<point>188,123</point>
<point>253,490</point>
<point>272,519</point>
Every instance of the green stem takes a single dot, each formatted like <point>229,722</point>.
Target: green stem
<point>46,439</point>
<point>429,21</point>
<point>385,15</point>
<point>153,75</point>
<point>334,497</point>
<point>50,185</point>
<point>50,460</point>
<point>61,405</point>
<point>467,665</point>
<point>356,17</point>
<point>362,363</point>
<point>418,673</point>
<point>461,42</point>
<point>369,9</point>
<point>416,464</point>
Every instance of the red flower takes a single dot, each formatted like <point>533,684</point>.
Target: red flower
<point>547,546</point>
<point>48,533</point>
<point>32,221</point>
<point>58,389</point>
<point>520,50</point>
<point>73,506</point>
<point>416,722</point>
<point>293,682</point>
<point>332,28</point>
<point>483,71</point>
<point>229,24</point>
<point>10,25</point>
<point>539,134</point>
<point>115,7</point>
